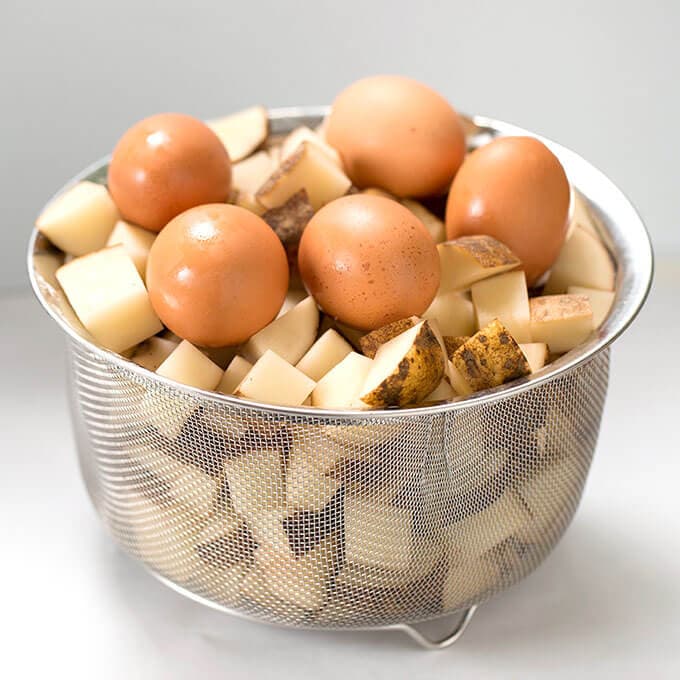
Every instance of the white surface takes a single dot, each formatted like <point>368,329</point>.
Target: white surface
<point>599,77</point>
<point>605,604</point>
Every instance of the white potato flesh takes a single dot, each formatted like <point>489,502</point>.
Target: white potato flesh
<point>304,134</point>
<point>561,321</point>
<point>310,169</point>
<point>327,352</point>
<point>251,173</point>
<point>242,132</point>
<point>339,388</point>
<point>153,352</point>
<point>583,261</point>
<point>601,301</point>
<point>466,581</point>
<point>293,297</point>
<point>309,487</point>
<point>108,296</point>
<point>536,354</point>
<point>433,224</point>
<point>290,335</point>
<point>80,220</point>
<point>443,391</point>
<point>233,375</point>
<point>273,380</point>
<point>453,312</point>
<point>136,241</point>
<point>188,365</point>
<point>504,297</point>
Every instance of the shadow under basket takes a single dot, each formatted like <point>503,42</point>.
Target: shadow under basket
<point>347,520</point>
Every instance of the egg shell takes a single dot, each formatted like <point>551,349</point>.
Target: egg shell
<point>216,275</point>
<point>514,189</point>
<point>368,261</point>
<point>164,165</point>
<point>397,134</point>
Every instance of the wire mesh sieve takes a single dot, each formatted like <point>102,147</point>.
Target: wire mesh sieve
<point>322,519</point>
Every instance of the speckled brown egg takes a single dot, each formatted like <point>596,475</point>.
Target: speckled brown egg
<point>164,165</point>
<point>514,189</point>
<point>397,134</point>
<point>216,275</point>
<point>368,261</point>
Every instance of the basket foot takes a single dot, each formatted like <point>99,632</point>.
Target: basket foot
<point>447,640</point>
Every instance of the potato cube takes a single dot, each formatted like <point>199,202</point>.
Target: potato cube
<point>274,381</point>
<point>601,301</point>
<point>136,241</point>
<point>233,376</point>
<point>250,174</point>
<point>308,168</point>
<point>504,297</point>
<point>467,582</point>
<point>453,312</point>
<point>561,321</point>
<point>377,534</point>
<point>339,388</point>
<point>371,342</point>
<point>537,354</point>
<point>242,132</point>
<point>109,297</point>
<point>290,335</point>
<point>328,351</point>
<point>443,392</point>
<point>309,487</point>
<point>188,365</point>
<point>432,223</point>
<point>583,261</point>
<point>153,352</point>
<point>80,220</point>
<point>469,259</point>
<point>303,134</point>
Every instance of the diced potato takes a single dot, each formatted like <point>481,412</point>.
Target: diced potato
<point>274,381</point>
<point>350,334</point>
<point>376,191</point>
<point>561,321</point>
<point>225,540</point>
<point>443,392</point>
<point>583,261</point>
<point>234,375</point>
<point>309,486</point>
<point>250,174</point>
<point>290,336</point>
<point>80,220</point>
<point>581,216</point>
<point>304,134</point>
<point>537,354</point>
<point>308,168</point>
<point>153,352</point>
<point>293,297</point>
<point>405,369</point>
<point>469,259</point>
<point>256,483</point>
<point>378,534</point>
<point>491,357</point>
<point>453,342</point>
<point>434,225</point>
<point>136,241</point>
<point>601,301</point>
<point>504,297</point>
<point>222,356</point>
<point>466,582</point>
<point>371,342</point>
<point>188,365</point>
<point>453,312</point>
<point>246,200</point>
<point>109,297</point>
<point>328,351</point>
<point>242,132</point>
<point>339,388</point>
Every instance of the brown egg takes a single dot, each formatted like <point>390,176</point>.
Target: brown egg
<point>217,274</point>
<point>396,134</point>
<point>514,189</point>
<point>368,261</point>
<point>165,165</point>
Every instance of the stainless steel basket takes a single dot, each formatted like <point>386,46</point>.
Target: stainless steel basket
<point>332,519</point>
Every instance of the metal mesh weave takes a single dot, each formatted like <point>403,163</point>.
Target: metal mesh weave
<point>335,523</point>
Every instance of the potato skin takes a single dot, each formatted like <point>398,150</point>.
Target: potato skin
<point>418,373</point>
<point>370,342</point>
<point>453,342</point>
<point>491,357</point>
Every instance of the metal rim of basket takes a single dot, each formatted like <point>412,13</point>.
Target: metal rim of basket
<point>623,232</point>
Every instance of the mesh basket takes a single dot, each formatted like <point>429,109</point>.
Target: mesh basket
<point>324,519</point>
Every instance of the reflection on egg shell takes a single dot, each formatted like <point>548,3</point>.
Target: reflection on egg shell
<point>514,189</point>
<point>368,261</point>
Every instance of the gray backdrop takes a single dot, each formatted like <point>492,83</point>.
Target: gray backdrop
<point>598,77</point>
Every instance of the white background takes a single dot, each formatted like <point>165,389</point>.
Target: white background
<point>600,78</point>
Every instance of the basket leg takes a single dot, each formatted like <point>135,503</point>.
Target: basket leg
<point>441,643</point>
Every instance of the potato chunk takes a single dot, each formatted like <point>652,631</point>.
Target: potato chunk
<point>454,313</point>
<point>405,369</point>
<point>251,173</point>
<point>561,321</point>
<point>491,357</point>
<point>242,132</point>
<point>371,342</point>
<point>601,301</point>
<point>80,220</point>
<point>308,168</point>
<point>233,375</point>
<point>432,223</point>
<point>153,352</point>
<point>537,354</point>
<point>326,353</point>
<point>109,297</point>
<point>303,134</point>
<point>188,365</point>
<point>340,387</point>
<point>136,241</point>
